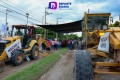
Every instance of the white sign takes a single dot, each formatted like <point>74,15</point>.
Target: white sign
<point>3,30</point>
<point>10,49</point>
<point>104,43</point>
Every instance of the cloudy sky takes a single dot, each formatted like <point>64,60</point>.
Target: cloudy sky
<point>36,9</point>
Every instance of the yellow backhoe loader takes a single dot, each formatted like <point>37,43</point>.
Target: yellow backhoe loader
<point>20,46</point>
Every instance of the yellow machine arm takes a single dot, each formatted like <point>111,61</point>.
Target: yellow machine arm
<point>41,40</point>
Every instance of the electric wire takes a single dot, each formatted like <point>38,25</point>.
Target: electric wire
<point>20,8</point>
<point>14,16</point>
<point>17,12</point>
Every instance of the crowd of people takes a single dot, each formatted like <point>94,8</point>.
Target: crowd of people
<point>55,44</point>
<point>72,44</point>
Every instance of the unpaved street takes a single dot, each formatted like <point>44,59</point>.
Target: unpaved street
<point>10,69</point>
<point>62,70</point>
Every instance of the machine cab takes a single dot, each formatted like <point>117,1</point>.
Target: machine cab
<point>25,32</point>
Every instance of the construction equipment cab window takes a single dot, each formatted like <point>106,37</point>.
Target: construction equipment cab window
<point>26,32</point>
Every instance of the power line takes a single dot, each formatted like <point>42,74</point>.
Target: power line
<point>19,7</point>
<point>14,16</point>
<point>16,11</point>
<point>19,13</point>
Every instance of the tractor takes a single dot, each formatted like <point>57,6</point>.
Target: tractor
<point>21,45</point>
<point>101,55</point>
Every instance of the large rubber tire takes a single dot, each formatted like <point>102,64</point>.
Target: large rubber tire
<point>17,57</point>
<point>83,67</point>
<point>34,52</point>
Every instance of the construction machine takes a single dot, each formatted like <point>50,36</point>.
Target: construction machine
<point>41,41</point>
<point>101,54</point>
<point>20,45</point>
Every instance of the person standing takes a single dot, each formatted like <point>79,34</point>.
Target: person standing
<point>53,44</point>
<point>80,44</point>
<point>69,44</point>
<point>50,43</point>
<point>56,44</point>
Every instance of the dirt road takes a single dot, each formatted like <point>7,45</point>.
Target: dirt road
<point>62,70</point>
<point>10,69</point>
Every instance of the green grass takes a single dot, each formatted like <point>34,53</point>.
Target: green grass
<point>37,69</point>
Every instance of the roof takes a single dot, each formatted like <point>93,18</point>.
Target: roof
<point>65,28</point>
<point>99,14</point>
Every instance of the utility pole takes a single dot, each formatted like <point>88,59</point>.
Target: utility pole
<point>7,11</point>
<point>57,24</point>
<point>46,13</point>
<point>42,20</point>
<point>27,14</point>
<point>6,17</point>
<point>45,24</point>
<point>88,11</point>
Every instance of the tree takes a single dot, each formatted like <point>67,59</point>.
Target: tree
<point>51,34</point>
<point>111,25</point>
<point>116,24</point>
<point>71,36</point>
<point>39,30</point>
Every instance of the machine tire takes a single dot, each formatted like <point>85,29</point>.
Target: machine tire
<point>17,57</point>
<point>83,67</point>
<point>34,52</point>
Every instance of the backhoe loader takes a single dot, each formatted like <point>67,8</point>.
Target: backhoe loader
<point>20,46</point>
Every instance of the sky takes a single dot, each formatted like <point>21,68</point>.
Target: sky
<point>36,9</point>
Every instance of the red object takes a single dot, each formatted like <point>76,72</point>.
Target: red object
<point>49,43</point>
